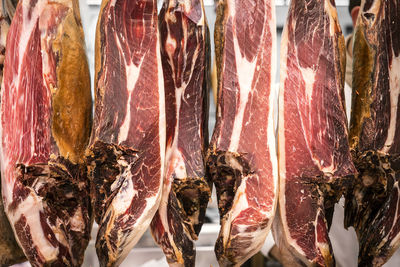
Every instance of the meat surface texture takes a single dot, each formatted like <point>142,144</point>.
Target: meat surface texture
<point>10,252</point>
<point>127,147</point>
<point>372,206</point>
<point>315,164</point>
<point>45,127</point>
<point>185,58</point>
<point>242,154</point>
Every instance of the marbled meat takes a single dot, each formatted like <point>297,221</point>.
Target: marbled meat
<point>315,164</point>
<point>242,157</point>
<point>185,55</point>
<point>127,147</point>
<point>45,126</point>
<point>10,252</point>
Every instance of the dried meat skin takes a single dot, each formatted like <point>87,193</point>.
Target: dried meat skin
<point>315,164</point>
<point>242,157</point>
<point>185,56</point>
<point>127,146</point>
<point>372,203</point>
<point>46,95</point>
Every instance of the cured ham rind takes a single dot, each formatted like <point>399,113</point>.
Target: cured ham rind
<point>242,157</point>
<point>10,252</point>
<point>372,205</point>
<point>315,165</point>
<point>45,123</point>
<point>127,147</point>
<point>185,56</point>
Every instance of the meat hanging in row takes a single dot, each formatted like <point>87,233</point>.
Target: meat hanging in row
<point>45,126</point>
<point>185,54</point>
<point>315,165</point>
<point>242,158</point>
<point>127,146</point>
<point>372,204</point>
<point>10,252</point>
<point>143,125</point>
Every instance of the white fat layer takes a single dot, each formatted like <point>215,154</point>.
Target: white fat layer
<point>203,20</point>
<point>76,221</point>
<point>323,247</point>
<point>394,83</point>
<point>129,239</point>
<point>281,119</point>
<point>239,204</point>
<point>332,14</point>
<point>271,137</point>
<point>178,164</point>
<point>112,3</point>
<point>395,243</point>
<point>162,121</point>
<point>245,72</point>
<point>132,75</point>
<point>31,208</point>
<point>174,164</point>
<point>123,199</point>
<point>256,236</point>
<point>309,80</point>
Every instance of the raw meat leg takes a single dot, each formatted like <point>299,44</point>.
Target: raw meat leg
<point>242,156</point>
<point>372,206</point>
<point>315,164</point>
<point>10,252</point>
<point>185,57</point>
<point>127,147</point>
<point>45,126</point>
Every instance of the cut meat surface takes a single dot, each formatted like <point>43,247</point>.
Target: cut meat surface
<point>185,57</point>
<point>127,147</point>
<point>372,206</point>
<point>242,157</point>
<point>45,121</point>
<point>10,252</point>
<point>315,164</point>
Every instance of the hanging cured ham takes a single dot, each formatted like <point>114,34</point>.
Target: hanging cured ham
<point>127,147</point>
<point>10,252</point>
<point>315,164</point>
<point>45,123</point>
<point>372,206</point>
<point>185,56</point>
<point>242,156</point>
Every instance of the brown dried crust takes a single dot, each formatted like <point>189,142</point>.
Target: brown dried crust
<point>97,46</point>
<point>361,97</point>
<point>72,101</point>
<point>219,38</point>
